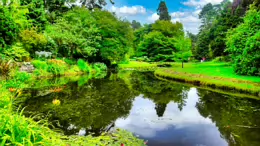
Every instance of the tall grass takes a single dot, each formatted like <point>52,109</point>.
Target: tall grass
<point>84,66</point>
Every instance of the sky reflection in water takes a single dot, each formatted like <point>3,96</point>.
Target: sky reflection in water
<point>186,127</point>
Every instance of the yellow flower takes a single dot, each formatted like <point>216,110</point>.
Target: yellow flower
<point>56,102</point>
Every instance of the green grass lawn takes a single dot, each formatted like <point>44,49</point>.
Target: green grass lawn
<point>217,75</point>
<point>137,64</point>
<point>213,69</point>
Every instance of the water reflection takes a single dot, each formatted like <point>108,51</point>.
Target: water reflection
<point>162,112</point>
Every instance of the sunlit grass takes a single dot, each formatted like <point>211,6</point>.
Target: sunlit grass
<point>137,64</point>
<point>216,75</point>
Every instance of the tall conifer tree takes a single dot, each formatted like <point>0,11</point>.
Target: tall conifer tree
<point>162,11</point>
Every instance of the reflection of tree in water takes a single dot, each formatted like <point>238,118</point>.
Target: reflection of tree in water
<point>161,92</point>
<point>160,108</point>
<point>236,118</point>
<point>94,106</point>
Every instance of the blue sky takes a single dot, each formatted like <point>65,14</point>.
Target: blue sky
<point>144,11</point>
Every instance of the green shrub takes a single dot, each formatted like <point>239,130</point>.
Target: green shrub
<point>8,28</point>
<point>221,59</point>
<point>22,76</point>
<point>17,52</point>
<point>101,66</point>
<point>32,40</point>
<point>84,66</point>
<point>38,64</point>
<point>56,69</point>
<point>5,67</point>
<point>243,43</point>
<point>70,62</point>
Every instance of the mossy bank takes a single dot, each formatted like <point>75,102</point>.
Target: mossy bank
<point>216,82</point>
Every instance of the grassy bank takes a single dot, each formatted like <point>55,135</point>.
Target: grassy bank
<point>137,65</point>
<point>214,75</point>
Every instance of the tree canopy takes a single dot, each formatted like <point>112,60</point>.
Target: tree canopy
<point>162,11</point>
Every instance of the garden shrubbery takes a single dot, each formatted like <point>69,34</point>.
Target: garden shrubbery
<point>243,44</point>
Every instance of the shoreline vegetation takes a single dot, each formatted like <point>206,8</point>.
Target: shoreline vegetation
<point>213,75</point>
<point>16,129</point>
<point>90,39</point>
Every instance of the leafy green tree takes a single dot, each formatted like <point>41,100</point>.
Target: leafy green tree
<point>117,36</point>
<point>193,38</point>
<point>76,34</point>
<point>162,11</point>
<point>32,40</point>
<point>168,29</point>
<point>207,14</point>
<point>36,13</point>
<point>244,46</point>
<point>183,49</point>
<point>8,28</point>
<point>157,47</point>
<point>136,25</point>
<point>139,35</point>
<point>202,45</point>
<point>92,4</point>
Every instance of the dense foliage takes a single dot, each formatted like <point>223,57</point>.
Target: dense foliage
<point>243,43</point>
<point>8,28</point>
<point>156,42</point>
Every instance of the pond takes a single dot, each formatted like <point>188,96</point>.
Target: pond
<point>162,112</point>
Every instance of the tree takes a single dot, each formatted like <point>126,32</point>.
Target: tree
<point>244,45</point>
<point>136,25</point>
<point>92,4</point>
<point>117,36</point>
<point>160,109</point>
<point>162,11</point>
<point>207,14</point>
<point>36,13</point>
<point>183,49</point>
<point>193,38</point>
<point>168,29</point>
<point>76,34</point>
<point>8,28</point>
<point>139,36</point>
<point>157,47</point>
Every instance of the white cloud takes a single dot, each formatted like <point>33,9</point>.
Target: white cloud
<point>153,17</point>
<point>125,10</point>
<point>200,3</point>
<point>189,19</point>
<point>143,121</point>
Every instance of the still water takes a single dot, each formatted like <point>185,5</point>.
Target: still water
<point>164,113</point>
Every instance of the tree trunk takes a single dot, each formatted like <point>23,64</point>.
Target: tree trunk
<point>182,64</point>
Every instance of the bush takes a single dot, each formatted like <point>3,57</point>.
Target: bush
<point>243,43</point>
<point>38,64</point>
<point>221,59</point>
<point>156,47</point>
<point>70,62</point>
<point>101,66</point>
<point>83,66</point>
<point>5,67</point>
<point>57,67</point>
<point>22,76</point>
<point>18,53</point>
<point>32,40</point>
<point>8,28</point>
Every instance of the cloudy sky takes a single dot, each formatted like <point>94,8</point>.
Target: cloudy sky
<point>144,11</point>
